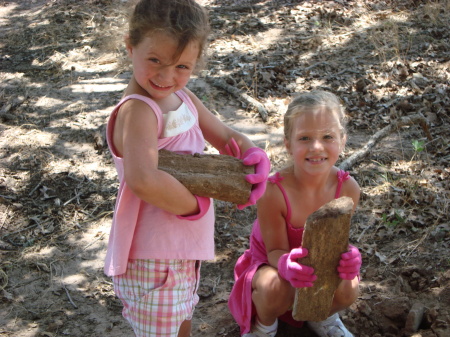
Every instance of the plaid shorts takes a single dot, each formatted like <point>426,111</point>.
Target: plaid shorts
<point>158,295</point>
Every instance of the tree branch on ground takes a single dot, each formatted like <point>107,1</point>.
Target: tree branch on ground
<point>359,155</point>
<point>240,95</point>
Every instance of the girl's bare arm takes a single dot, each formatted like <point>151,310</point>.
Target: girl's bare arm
<point>271,216</point>
<point>135,139</point>
<point>351,189</point>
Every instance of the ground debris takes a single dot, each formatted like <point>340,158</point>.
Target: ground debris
<point>63,67</point>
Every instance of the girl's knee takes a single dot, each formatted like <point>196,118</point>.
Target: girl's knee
<point>347,293</point>
<point>273,291</point>
<point>185,329</point>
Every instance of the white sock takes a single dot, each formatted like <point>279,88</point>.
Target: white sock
<point>271,330</point>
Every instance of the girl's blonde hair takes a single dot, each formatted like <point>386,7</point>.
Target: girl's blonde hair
<point>311,101</point>
<point>184,20</point>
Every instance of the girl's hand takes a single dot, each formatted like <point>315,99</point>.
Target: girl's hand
<point>232,149</point>
<point>253,156</point>
<point>203,205</point>
<point>298,275</point>
<point>350,264</point>
<point>256,156</point>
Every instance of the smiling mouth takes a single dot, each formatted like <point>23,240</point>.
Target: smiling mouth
<point>160,86</point>
<point>316,160</point>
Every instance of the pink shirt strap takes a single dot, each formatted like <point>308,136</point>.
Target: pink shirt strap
<point>275,179</point>
<point>341,176</point>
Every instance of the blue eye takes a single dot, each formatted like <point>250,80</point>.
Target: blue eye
<point>154,60</point>
<point>304,138</point>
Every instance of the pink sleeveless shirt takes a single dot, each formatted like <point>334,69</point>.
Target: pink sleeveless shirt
<point>240,300</point>
<point>142,231</point>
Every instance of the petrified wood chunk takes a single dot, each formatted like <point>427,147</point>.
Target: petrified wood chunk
<point>326,238</point>
<point>208,175</point>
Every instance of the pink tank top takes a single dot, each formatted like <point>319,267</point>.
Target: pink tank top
<point>142,231</point>
<point>295,234</point>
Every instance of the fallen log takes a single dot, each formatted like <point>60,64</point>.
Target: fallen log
<point>359,155</point>
<point>240,95</point>
<point>215,176</point>
<point>326,238</point>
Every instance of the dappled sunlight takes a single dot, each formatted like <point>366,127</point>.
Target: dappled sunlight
<point>63,67</point>
<point>6,10</point>
<point>34,137</point>
<point>49,102</point>
<point>78,279</point>
<point>51,253</point>
<point>99,85</point>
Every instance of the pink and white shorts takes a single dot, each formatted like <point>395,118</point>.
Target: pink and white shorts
<point>158,295</point>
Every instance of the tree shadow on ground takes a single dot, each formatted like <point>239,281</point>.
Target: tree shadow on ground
<point>61,79</point>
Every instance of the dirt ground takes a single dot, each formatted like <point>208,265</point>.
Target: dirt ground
<point>63,68</point>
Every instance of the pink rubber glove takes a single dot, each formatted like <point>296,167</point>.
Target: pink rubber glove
<point>203,205</point>
<point>232,149</point>
<point>350,263</point>
<point>253,156</point>
<point>256,156</point>
<point>298,275</point>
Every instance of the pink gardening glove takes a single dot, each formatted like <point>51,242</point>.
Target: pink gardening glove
<point>232,149</point>
<point>203,205</point>
<point>256,156</point>
<point>350,263</point>
<point>298,275</point>
<point>253,156</point>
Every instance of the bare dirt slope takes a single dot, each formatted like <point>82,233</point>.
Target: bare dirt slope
<point>62,68</point>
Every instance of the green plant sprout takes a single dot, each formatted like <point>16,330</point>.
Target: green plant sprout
<point>393,223</point>
<point>419,145</point>
<point>385,176</point>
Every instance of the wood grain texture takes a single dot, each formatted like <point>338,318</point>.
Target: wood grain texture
<point>215,176</point>
<point>326,238</point>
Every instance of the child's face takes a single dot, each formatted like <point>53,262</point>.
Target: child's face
<point>315,141</point>
<point>155,68</point>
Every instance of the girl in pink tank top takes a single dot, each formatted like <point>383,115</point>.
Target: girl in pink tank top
<point>160,230</point>
<point>270,270</point>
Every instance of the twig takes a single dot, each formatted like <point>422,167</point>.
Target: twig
<point>70,175</point>
<point>6,245</point>
<point>362,233</point>
<point>68,296</point>
<point>6,217</point>
<point>216,283</point>
<point>20,230</point>
<point>369,224</point>
<point>23,284</point>
<point>92,218</point>
<point>427,232</point>
<point>67,291</point>
<point>403,121</point>
<point>91,243</point>
<point>35,188</point>
<point>7,197</point>
<point>344,71</point>
<point>316,65</point>
<point>77,195</point>
<point>236,92</point>
<point>4,276</point>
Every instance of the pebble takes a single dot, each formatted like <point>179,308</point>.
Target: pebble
<point>414,318</point>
